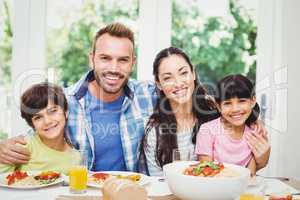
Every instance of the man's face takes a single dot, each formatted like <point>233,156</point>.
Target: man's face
<point>112,62</point>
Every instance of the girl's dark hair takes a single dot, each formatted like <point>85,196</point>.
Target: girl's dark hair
<point>37,97</point>
<point>163,120</point>
<point>238,86</point>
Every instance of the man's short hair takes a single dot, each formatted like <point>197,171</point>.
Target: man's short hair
<point>114,29</point>
<point>37,97</point>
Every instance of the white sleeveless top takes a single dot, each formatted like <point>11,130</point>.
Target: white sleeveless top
<point>184,140</point>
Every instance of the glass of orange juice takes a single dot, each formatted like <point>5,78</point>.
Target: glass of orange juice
<point>78,173</point>
<point>251,197</point>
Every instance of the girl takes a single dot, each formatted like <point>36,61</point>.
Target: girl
<point>225,138</point>
<point>44,107</point>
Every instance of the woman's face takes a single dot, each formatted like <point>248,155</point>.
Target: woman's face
<point>176,79</point>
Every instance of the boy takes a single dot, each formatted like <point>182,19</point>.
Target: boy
<point>44,107</point>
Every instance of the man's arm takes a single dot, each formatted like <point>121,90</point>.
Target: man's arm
<point>11,153</point>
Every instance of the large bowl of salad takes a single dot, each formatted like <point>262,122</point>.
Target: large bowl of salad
<point>192,180</point>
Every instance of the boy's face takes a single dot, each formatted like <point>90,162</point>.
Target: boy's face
<point>49,122</point>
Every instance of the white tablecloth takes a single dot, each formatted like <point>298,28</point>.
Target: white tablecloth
<point>154,188</point>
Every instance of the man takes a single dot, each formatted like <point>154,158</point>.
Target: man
<point>108,112</point>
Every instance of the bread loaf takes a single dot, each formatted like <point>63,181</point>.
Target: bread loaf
<point>123,189</point>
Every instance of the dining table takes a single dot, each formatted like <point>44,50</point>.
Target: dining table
<point>157,189</point>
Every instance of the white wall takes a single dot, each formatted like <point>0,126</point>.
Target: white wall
<point>291,37</point>
<point>278,46</point>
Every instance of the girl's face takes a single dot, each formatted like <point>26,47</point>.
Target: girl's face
<point>237,110</point>
<point>50,122</point>
<point>176,79</point>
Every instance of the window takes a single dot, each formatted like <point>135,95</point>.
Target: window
<point>5,66</point>
<point>71,27</point>
<point>217,44</point>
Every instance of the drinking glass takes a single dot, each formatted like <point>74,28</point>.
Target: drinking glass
<point>181,154</point>
<point>78,173</point>
<point>249,196</point>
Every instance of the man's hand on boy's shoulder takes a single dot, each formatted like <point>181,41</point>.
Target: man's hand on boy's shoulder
<point>12,153</point>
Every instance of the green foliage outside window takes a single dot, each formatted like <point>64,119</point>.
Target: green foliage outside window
<point>3,135</point>
<point>69,53</point>
<point>217,46</point>
<point>6,45</point>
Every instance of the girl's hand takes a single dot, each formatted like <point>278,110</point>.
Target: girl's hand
<point>260,148</point>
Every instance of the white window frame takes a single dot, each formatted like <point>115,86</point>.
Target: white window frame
<point>29,53</point>
<point>155,20</point>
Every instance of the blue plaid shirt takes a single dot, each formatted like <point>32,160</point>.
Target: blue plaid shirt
<point>138,105</point>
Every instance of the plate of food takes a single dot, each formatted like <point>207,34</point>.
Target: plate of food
<point>96,179</point>
<point>30,179</point>
<point>210,169</point>
<point>194,180</point>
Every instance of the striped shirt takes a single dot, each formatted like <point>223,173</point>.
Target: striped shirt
<point>140,98</point>
<point>184,140</point>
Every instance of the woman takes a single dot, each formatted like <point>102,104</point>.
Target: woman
<point>182,107</point>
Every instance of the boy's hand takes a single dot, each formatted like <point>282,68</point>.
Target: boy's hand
<point>12,153</point>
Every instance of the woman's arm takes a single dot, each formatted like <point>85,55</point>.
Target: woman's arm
<point>261,149</point>
<point>204,158</point>
<point>150,154</point>
<point>259,144</point>
<point>252,166</point>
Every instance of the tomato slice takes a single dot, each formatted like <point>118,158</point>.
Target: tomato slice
<point>16,175</point>
<point>207,171</point>
<point>102,176</point>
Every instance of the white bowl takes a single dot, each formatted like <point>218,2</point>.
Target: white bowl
<point>205,188</point>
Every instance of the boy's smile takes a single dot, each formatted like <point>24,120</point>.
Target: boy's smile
<point>49,122</point>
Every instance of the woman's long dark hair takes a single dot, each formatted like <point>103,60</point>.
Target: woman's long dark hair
<point>163,120</point>
<point>238,86</point>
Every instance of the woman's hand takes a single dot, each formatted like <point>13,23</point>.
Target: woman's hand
<point>260,129</point>
<point>259,145</point>
<point>11,153</point>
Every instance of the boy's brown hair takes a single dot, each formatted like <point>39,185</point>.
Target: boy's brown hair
<point>37,97</point>
<point>114,29</point>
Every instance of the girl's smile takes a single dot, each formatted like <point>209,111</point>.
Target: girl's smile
<point>236,110</point>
